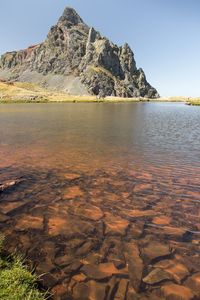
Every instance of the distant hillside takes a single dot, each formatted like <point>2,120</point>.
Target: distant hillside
<point>77,59</point>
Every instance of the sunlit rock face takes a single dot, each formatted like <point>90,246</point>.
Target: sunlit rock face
<point>72,48</point>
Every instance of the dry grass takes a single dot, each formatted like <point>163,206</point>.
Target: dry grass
<point>102,70</point>
<point>24,92</point>
<point>188,100</point>
<point>194,102</point>
<point>27,92</point>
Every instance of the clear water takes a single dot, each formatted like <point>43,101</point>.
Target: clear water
<point>116,157</point>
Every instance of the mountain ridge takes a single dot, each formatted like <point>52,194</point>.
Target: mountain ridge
<point>73,49</point>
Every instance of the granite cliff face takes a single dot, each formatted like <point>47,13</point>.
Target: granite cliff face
<point>75,54</point>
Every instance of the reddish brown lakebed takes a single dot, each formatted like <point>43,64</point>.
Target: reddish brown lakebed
<point>104,199</point>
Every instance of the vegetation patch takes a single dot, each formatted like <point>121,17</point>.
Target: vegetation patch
<point>16,282</point>
<point>102,70</point>
<point>194,102</point>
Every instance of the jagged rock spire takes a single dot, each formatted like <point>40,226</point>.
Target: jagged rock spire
<point>74,49</point>
<point>70,17</point>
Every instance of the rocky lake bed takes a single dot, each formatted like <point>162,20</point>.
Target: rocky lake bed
<point>118,235</point>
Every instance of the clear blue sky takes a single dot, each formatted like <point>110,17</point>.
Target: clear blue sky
<point>164,34</point>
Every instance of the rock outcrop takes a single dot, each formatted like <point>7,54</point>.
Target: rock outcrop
<point>74,49</point>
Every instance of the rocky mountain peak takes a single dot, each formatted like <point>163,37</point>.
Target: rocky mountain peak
<point>75,52</point>
<point>70,17</point>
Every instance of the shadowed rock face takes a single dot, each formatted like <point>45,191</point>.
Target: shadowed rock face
<point>72,48</point>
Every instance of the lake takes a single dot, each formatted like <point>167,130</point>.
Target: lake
<point>106,201</point>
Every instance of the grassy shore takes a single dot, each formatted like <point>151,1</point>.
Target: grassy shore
<point>16,282</point>
<point>23,92</point>
<point>194,102</point>
<point>19,92</point>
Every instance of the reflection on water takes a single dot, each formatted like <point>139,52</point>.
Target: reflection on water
<point>108,203</point>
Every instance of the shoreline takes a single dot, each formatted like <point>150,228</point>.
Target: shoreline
<point>25,92</point>
<point>90,101</point>
<point>105,100</point>
<point>57,98</point>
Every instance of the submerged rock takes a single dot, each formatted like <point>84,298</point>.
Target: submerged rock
<point>85,248</point>
<point>177,270</point>
<point>63,261</point>
<point>3,217</point>
<point>29,222</point>
<point>157,276</point>
<point>156,250</point>
<point>101,271</point>
<point>115,225</point>
<point>136,213</point>
<point>135,264</point>
<point>73,192</point>
<point>121,289</point>
<point>8,185</point>
<point>72,176</point>
<point>67,226</point>
<point>193,282</point>
<point>176,292</point>
<point>162,220</point>
<point>11,207</point>
<point>73,267</point>
<point>90,212</point>
<point>90,290</point>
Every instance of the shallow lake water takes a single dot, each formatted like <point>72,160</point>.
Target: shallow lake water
<point>107,197</point>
